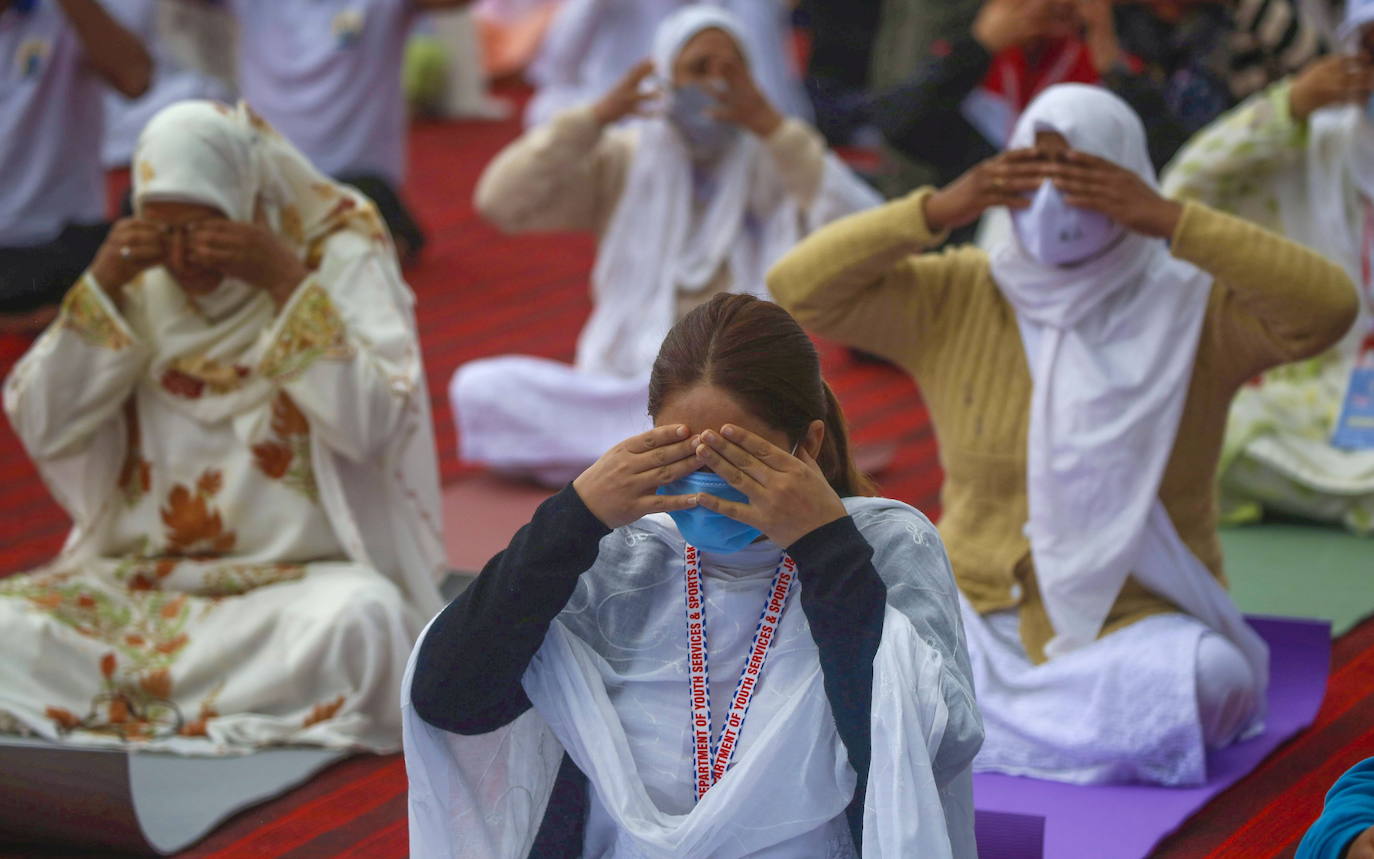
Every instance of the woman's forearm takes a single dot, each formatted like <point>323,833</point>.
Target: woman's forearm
<point>115,53</point>
<point>467,677</point>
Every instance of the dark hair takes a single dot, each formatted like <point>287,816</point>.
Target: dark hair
<point>756,352</point>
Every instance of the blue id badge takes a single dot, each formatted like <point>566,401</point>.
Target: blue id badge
<point>1355,429</point>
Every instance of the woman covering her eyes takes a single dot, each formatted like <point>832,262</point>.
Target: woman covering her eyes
<point>705,645</point>
<point>1078,377</point>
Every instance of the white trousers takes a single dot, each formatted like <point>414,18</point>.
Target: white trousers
<point>542,419</point>
<point>1142,704</point>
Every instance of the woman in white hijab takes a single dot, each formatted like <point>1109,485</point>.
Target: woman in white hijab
<point>1298,158</point>
<point>592,44</point>
<point>635,677</point>
<point>699,198</point>
<point>1078,378</point>
<point>232,410</point>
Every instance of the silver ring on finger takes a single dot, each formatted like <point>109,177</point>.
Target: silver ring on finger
<point>125,252</point>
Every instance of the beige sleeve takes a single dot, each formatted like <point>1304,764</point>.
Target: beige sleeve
<point>1274,300</point>
<point>564,175</point>
<point>864,282</point>
<point>798,153</point>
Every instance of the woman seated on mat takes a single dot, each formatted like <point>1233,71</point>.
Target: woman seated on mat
<point>1299,159</point>
<point>231,408</point>
<point>694,202</point>
<point>606,660</point>
<point>1078,378</point>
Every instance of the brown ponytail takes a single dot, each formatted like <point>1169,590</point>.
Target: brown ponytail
<point>756,351</point>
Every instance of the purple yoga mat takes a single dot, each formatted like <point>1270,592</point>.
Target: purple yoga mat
<point>1127,821</point>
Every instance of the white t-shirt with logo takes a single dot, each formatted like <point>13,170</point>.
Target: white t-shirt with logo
<point>51,126</point>
<point>327,75</point>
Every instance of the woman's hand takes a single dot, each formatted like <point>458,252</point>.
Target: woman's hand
<point>1003,24</point>
<point>248,252</point>
<point>627,96</point>
<point>1002,180</point>
<point>1095,183</point>
<point>789,497</point>
<point>620,487</point>
<point>743,104</point>
<point>1099,32</point>
<point>131,247</point>
<point>1330,80</point>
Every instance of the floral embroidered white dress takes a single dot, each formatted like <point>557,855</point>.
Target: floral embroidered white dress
<point>254,491</point>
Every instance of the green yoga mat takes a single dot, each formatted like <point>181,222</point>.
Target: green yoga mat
<point>1297,570</point>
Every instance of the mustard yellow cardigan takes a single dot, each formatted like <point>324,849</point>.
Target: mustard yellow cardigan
<point>864,281</point>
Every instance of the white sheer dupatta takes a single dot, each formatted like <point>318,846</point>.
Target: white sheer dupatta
<point>485,796</point>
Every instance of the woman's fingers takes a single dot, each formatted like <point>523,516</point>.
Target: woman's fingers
<point>666,503</point>
<point>759,447</point>
<point>665,474</point>
<point>740,512</point>
<point>668,454</point>
<point>732,473</point>
<point>737,456</point>
<point>656,438</point>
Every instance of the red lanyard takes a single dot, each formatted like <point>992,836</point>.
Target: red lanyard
<point>710,764</point>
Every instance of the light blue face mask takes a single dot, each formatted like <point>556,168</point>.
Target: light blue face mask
<point>706,529</point>
<point>689,110</point>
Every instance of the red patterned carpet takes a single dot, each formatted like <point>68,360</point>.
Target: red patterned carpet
<point>480,294</point>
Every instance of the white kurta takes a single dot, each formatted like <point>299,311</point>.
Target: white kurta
<point>609,686</point>
<point>222,589</point>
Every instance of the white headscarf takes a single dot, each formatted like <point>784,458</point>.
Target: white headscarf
<point>656,244</point>
<point>1110,344</point>
<point>227,158</point>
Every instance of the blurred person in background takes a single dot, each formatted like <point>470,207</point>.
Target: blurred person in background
<point>698,198</point>
<point>57,61</point>
<point>328,75</point>
<point>190,41</point>
<point>1298,158</point>
<point>592,44</point>
<point>1179,65</point>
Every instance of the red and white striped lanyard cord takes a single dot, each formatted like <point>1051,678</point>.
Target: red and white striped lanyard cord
<point>710,761</point>
<point>1367,271</point>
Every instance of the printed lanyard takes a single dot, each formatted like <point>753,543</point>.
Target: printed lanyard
<point>710,764</point>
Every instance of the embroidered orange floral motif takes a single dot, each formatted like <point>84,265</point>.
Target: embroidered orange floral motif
<point>65,719</point>
<point>287,457</point>
<point>182,385</point>
<point>287,419</point>
<point>136,476</point>
<point>322,712</point>
<point>157,684</point>
<point>196,727</point>
<point>108,665</point>
<point>194,526</point>
<point>273,458</point>
<point>172,645</point>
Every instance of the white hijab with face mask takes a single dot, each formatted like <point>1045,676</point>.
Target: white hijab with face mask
<point>1110,343</point>
<point>658,242</point>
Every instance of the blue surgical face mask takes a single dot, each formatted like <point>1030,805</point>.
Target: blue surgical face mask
<point>1053,232</point>
<point>706,529</point>
<point>689,110</point>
